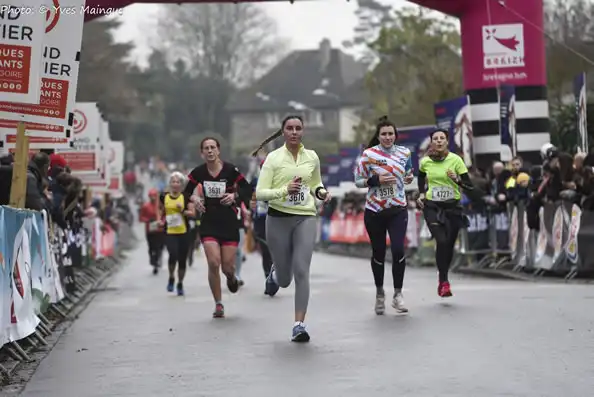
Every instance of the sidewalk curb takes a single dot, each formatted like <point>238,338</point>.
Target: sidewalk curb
<point>22,371</point>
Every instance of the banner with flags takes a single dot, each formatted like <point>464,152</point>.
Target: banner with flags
<point>581,101</point>
<point>507,122</point>
<point>454,116</point>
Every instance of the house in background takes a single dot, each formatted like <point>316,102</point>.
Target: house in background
<point>324,86</point>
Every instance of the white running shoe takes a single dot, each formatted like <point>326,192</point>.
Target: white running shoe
<point>380,304</point>
<point>398,303</point>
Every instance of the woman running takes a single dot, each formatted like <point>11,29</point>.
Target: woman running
<point>259,211</point>
<point>384,168</point>
<point>222,184</point>
<point>242,219</point>
<point>290,176</point>
<point>441,175</point>
<point>178,208</point>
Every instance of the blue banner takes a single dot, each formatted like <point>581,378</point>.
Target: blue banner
<point>581,97</point>
<point>330,174</point>
<point>454,116</point>
<point>417,140</point>
<point>507,122</point>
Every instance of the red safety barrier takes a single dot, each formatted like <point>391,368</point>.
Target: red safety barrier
<point>350,229</point>
<point>108,242</point>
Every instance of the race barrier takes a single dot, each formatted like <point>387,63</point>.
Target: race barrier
<point>496,240</point>
<point>44,272</point>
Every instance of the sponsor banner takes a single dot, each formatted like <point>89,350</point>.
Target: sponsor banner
<point>454,116</point>
<point>21,44</point>
<point>581,99</point>
<point>84,157</point>
<point>502,46</point>
<point>507,122</point>
<point>571,247</point>
<point>59,72</point>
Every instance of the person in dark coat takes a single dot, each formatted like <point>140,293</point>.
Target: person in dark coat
<point>36,172</point>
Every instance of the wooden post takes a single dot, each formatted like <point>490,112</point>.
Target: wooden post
<point>18,187</point>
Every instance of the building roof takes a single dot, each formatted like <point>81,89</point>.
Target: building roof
<point>297,76</point>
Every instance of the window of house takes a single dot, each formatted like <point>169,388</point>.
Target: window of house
<point>272,120</point>
<point>314,118</point>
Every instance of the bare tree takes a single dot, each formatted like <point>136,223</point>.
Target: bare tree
<point>231,42</point>
<point>569,27</point>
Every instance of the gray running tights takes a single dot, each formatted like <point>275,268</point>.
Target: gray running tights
<point>291,241</point>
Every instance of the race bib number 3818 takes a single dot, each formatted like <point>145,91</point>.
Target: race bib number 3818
<point>298,198</point>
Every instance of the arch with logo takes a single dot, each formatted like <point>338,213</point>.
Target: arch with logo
<point>502,43</point>
<point>80,121</point>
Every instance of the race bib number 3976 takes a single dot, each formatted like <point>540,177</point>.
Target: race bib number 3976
<point>442,193</point>
<point>214,189</point>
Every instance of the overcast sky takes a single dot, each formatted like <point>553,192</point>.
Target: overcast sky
<point>304,24</point>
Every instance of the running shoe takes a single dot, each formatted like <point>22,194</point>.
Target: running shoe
<point>233,284</point>
<point>444,290</point>
<point>155,270</point>
<point>180,289</point>
<point>219,311</point>
<point>271,286</point>
<point>398,303</point>
<point>170,285</point>
<point>300,333</point>
<point>380,304</point>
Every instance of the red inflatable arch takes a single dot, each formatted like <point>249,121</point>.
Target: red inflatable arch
<point>502,43</point>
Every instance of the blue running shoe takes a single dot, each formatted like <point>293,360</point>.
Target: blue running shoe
<point>180,289</point>
<point>170,285</point>
<point>271,285</point>
<point>300,334</point>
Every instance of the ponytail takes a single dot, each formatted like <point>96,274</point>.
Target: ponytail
<point>278,133</point>
<point>266,141</point>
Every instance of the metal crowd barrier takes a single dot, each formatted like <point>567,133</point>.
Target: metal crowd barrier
<point>511,245</point>
<point>45,271</point>
<point>496,240</point>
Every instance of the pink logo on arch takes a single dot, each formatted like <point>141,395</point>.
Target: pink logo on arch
<point>80,122</point>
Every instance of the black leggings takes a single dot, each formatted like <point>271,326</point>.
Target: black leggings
<point>155,246</point>
<point>260,232</point>
<point>377,224</point>
<point>177,246</point>
<point>445,234</point>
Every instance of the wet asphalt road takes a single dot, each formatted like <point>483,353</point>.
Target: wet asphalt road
<point>493,338</point>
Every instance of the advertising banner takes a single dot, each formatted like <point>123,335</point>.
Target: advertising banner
<point>83,157</point>
<point>501,45</point>
<point>99,181</point>
<point>52,113</point>
<point>507,122</point>
<point>581,101</point>
<point>21,46</point>
<point>454,116</point>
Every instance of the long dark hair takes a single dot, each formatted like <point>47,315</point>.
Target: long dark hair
<point>381,123</point>
<point>278,133</point>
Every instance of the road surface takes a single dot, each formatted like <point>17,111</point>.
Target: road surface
<point>494,338</point>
